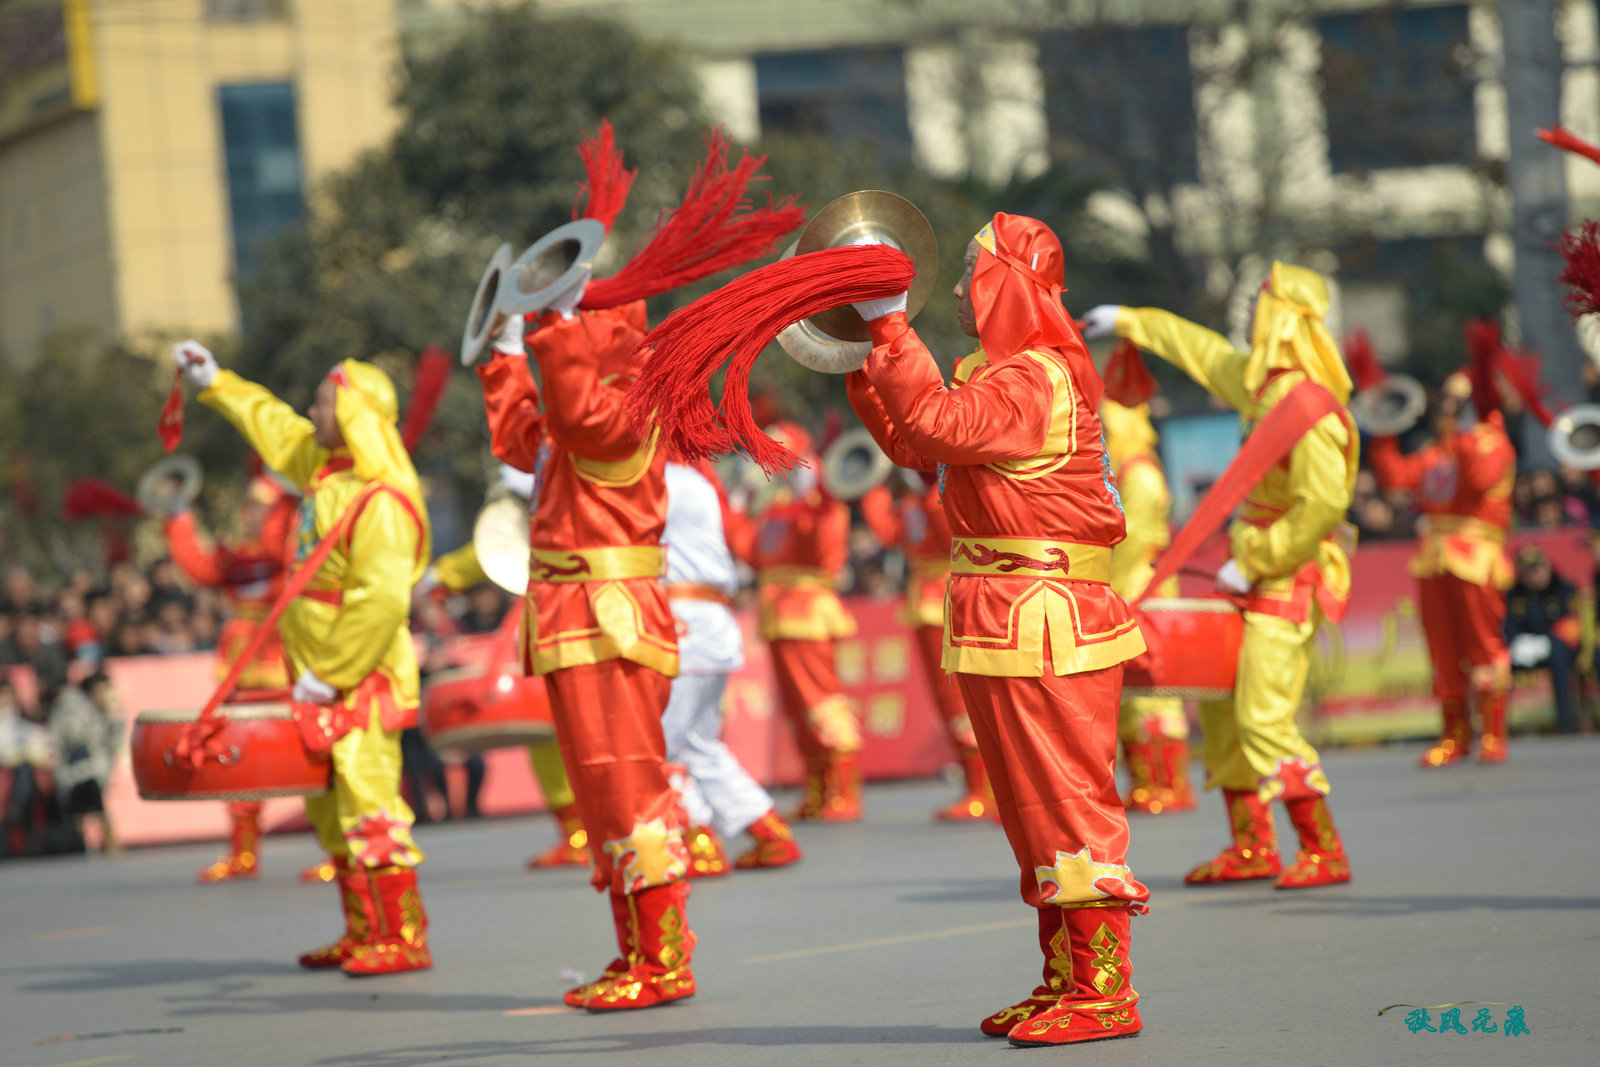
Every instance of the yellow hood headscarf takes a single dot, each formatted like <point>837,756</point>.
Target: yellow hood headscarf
<point>1129,432</point>
<point>1288,332</point>
<point>368,412</point>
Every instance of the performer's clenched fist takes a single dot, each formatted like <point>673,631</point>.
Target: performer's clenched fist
<point>196,362</point>
<point>1101,321</point>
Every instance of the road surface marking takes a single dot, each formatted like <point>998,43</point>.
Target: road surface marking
<point>954,931</point>
<point>68,935</point>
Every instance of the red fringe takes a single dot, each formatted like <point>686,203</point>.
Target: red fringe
<point>1522,371</point>
<point>713,229</point>
<point>608,184</point>
<point>1362,359</point>
<point>433,374</point>
<point>169,424</point>
<point>731,326</point>
<point>1581,250</point>
<point>1564,138</point>
<point>1482,337</point>
<point>1128,381</point>
<point>91,498</point>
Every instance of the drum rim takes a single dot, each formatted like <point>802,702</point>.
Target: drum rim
<point>1197,605</point>
<point>274,711</point>
<point>240,794</point>
<point>454,674</point>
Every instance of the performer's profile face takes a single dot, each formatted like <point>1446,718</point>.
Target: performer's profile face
<point>324,420</point>
<point>966,315</point>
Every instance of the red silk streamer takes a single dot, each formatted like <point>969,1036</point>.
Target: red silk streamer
<point>731,326</point>
<point>1272,439</point>
<point>433,375</point>
<point>1564,138</point>
<point>91,498</point>
<point>1362,359</point>
<point>198,741</point>
<point>1128,381</point>
<point>170,424</point>
<point>1581,250</point>
<point>715,228</point>
<point>602,196</point>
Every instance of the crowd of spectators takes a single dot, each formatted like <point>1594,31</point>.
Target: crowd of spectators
<point>1540,499</point>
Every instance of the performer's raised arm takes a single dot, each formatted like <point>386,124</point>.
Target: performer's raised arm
<point>585,409</point>
<point>284,438</point>
<point>511,399</point>
<point>868,406</point>
<point>203,565</point>
<point>1202,354</point>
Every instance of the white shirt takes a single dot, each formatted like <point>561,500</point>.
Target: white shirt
<point>709,641</point>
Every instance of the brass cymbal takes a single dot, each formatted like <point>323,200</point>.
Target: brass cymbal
<point>889,218</point>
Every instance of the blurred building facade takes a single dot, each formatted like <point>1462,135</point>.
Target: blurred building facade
<point>147,146</point>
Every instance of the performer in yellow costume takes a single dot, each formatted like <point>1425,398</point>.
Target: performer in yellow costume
<point>347,636</point>
<point>1289,569</point>
<point>1154,730</point>
<point>459,571</point>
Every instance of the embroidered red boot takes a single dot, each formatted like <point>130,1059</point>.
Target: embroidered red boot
<point>810,808</point>
<point>622,920</point>
<point>841,787</point>
<point>1254,852</point>
<point>1321,860</point>
<point>573,848</point>
<point>1455,740</point>
<point>775,844</point>
<point>978,803</point>
<point>1102,1003</point>
<point>242,859</point>
<point>1145,792</point>
<point>360,918</point>
<point>401,939</point>
<point>1172,769</point>
<point>1492,710</point>
<point>659,972</point>
<point>706,856</point>
<point>1057,977</point>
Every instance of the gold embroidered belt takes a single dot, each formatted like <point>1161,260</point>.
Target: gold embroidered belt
<point>1461,524</point>
<point>697,591</point>
<point>793,576</point>
<point>597,564</point>
<point>1021,557</point>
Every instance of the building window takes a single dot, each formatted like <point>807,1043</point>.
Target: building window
<point>1120,103</point>
<point>1397,87</point>
<point>262,148</point>
<point>846,93</point>
<point>246,10</point>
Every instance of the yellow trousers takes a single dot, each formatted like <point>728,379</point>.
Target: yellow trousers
<point>545,755</point>
<point>363,817</point>
<point>1249,738</point>
<point>1167,713</point>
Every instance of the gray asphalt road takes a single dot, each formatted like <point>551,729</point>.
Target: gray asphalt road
<point>886,946</point>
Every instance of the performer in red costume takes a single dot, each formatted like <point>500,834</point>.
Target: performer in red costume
<point>1034,634</point>
<point>915,523</point>
<point>249,571</point>
<point>1462,484</point>
<point>798,538</point>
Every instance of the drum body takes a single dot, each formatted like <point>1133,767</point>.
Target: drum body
<point>470,710</point>
<point>257,754</point>
<point>1193,647</point>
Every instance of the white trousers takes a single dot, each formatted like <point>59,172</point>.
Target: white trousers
<point>718,792</point>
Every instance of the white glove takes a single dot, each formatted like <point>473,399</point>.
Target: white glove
<point>1101,321</point>
<point>1529,650</point>
<point>567,303</point>
<point>1230,579</point>
<point>196,362</point>
<point>884,305</point>
<point>508,339</point>
<point>518,482</point>
<point>309,689</point>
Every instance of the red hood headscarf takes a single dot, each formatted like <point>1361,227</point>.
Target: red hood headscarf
<point>1016,297</point>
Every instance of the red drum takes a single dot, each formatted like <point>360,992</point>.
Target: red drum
<point>468,710</point>
<point>256,754</point>
<point>1193,648</point>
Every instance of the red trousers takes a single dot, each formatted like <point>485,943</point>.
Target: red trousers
<point>1050,746</point>
<point>930,645</point>
<point>608,724</point>
<point>823,718</point>
<point>1463,624</point>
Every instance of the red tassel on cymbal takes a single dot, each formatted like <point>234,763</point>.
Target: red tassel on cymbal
<point>91,498</point>
<point>433,375</point>
<point>1522,371</point>
<point>602,196</point>
<point>1482,337</point>
<point>1581,250</point>
<point>170,424</point>
<point>713,229</point>
<point>1564,138</point>
<point>1362,359</point>
<point>731,326</point>
<point>1128,381</point>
